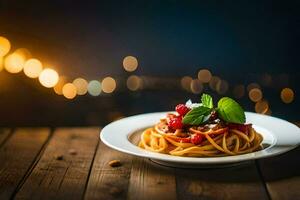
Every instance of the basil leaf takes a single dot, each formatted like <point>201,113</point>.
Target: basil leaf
<point>207,100</point>
<point>196,116</point>
<point>230,111</point>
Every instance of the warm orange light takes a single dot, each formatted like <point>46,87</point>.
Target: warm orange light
<point>25,53</point>
<point>14,63</point>
<point>69,91</point>
<point>222,87</point>
<point>1,64</point>
<point>134,82</point>
<point>108,84</point>
<point>186,82</point>
<point>262,107</point>
<point>214,81</point>
<point>81,86</point>
<point>4,46</point>
<point>255,94</point>
<point>287,95</point>
<point>60,84</point>
<point>269,112</point>
<point>94,88</point>
<point>33,68</point>
<point>196,86</point>
<point>48,78</point>
<point>130,63</point>
<point>252,86</point>
<point>204,75</point>
<point>239,91</point>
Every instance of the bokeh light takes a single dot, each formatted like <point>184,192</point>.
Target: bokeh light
<point>14,63</point>
<point>287,95</point>
<point>255,94</point>
<point>4,46</point>
<point>33,68</point>
<point>222,87</point>
<point>214,81</point>
<point>48,78</point>
<point>252,86</point>
<point>130,63</point>
<point>269,112</point>
<point>239,91</point>
<point>262,106</point>
<point>134,82</point>
<point>196,86</point>
<point>1,63</point>
<point>94,88</point>
<point>69,91</point>
<point>186,82</point>
<point>108,84</point>
<point>25,53</point>
<point>204,75</point>
<point>60,84</point>
<point>81,86</point>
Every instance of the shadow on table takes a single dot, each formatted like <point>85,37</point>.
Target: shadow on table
<point>281,167</point>
<point>220,183</point>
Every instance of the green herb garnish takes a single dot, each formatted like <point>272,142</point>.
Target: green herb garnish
<point>207,101</point>
<point>228,110</point>
<point>197,115</point>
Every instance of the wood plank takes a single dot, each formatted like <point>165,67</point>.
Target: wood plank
<point>297,123</point>
<point>17,156</point>
<point>108,182</point>
<point>281,174</point>
<point>239,182</point>
<point>151,181</point>
<point>57,177</point>
<point>4,133</point>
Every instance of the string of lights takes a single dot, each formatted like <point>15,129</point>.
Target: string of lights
<point>21,60</point>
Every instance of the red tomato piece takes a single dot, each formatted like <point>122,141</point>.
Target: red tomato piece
<point>175,123</point>
<point>182,109</point>
<point>184,140</point>
<point>196,139</point>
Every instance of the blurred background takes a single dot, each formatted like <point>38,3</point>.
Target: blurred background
<point>74,63</point>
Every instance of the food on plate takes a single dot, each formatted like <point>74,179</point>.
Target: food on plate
<point>202,130</point>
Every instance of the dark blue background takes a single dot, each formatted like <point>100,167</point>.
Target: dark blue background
<point>237,40</point>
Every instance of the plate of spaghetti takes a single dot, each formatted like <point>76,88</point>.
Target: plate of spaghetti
<point>201,134</point>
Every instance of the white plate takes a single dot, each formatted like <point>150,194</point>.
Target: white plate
<point>279,136</point>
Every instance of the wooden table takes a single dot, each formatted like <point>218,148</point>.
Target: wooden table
<point>72,163</point>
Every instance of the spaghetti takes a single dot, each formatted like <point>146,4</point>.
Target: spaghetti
<point>215,142</point>
<point>212,138</point>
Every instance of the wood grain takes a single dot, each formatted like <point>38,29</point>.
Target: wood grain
<point>34,167</point>
<point>4,133</point>
<point>17,156</point>
<point>281,174</point>
<point>151,181</point>
<point>61,173</point>
<point>239,182</point>
<point>108,182</point>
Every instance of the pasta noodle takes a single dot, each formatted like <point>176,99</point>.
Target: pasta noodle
<point>218,141</point>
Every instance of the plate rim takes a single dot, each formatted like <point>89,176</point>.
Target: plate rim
<point>194,160</point>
